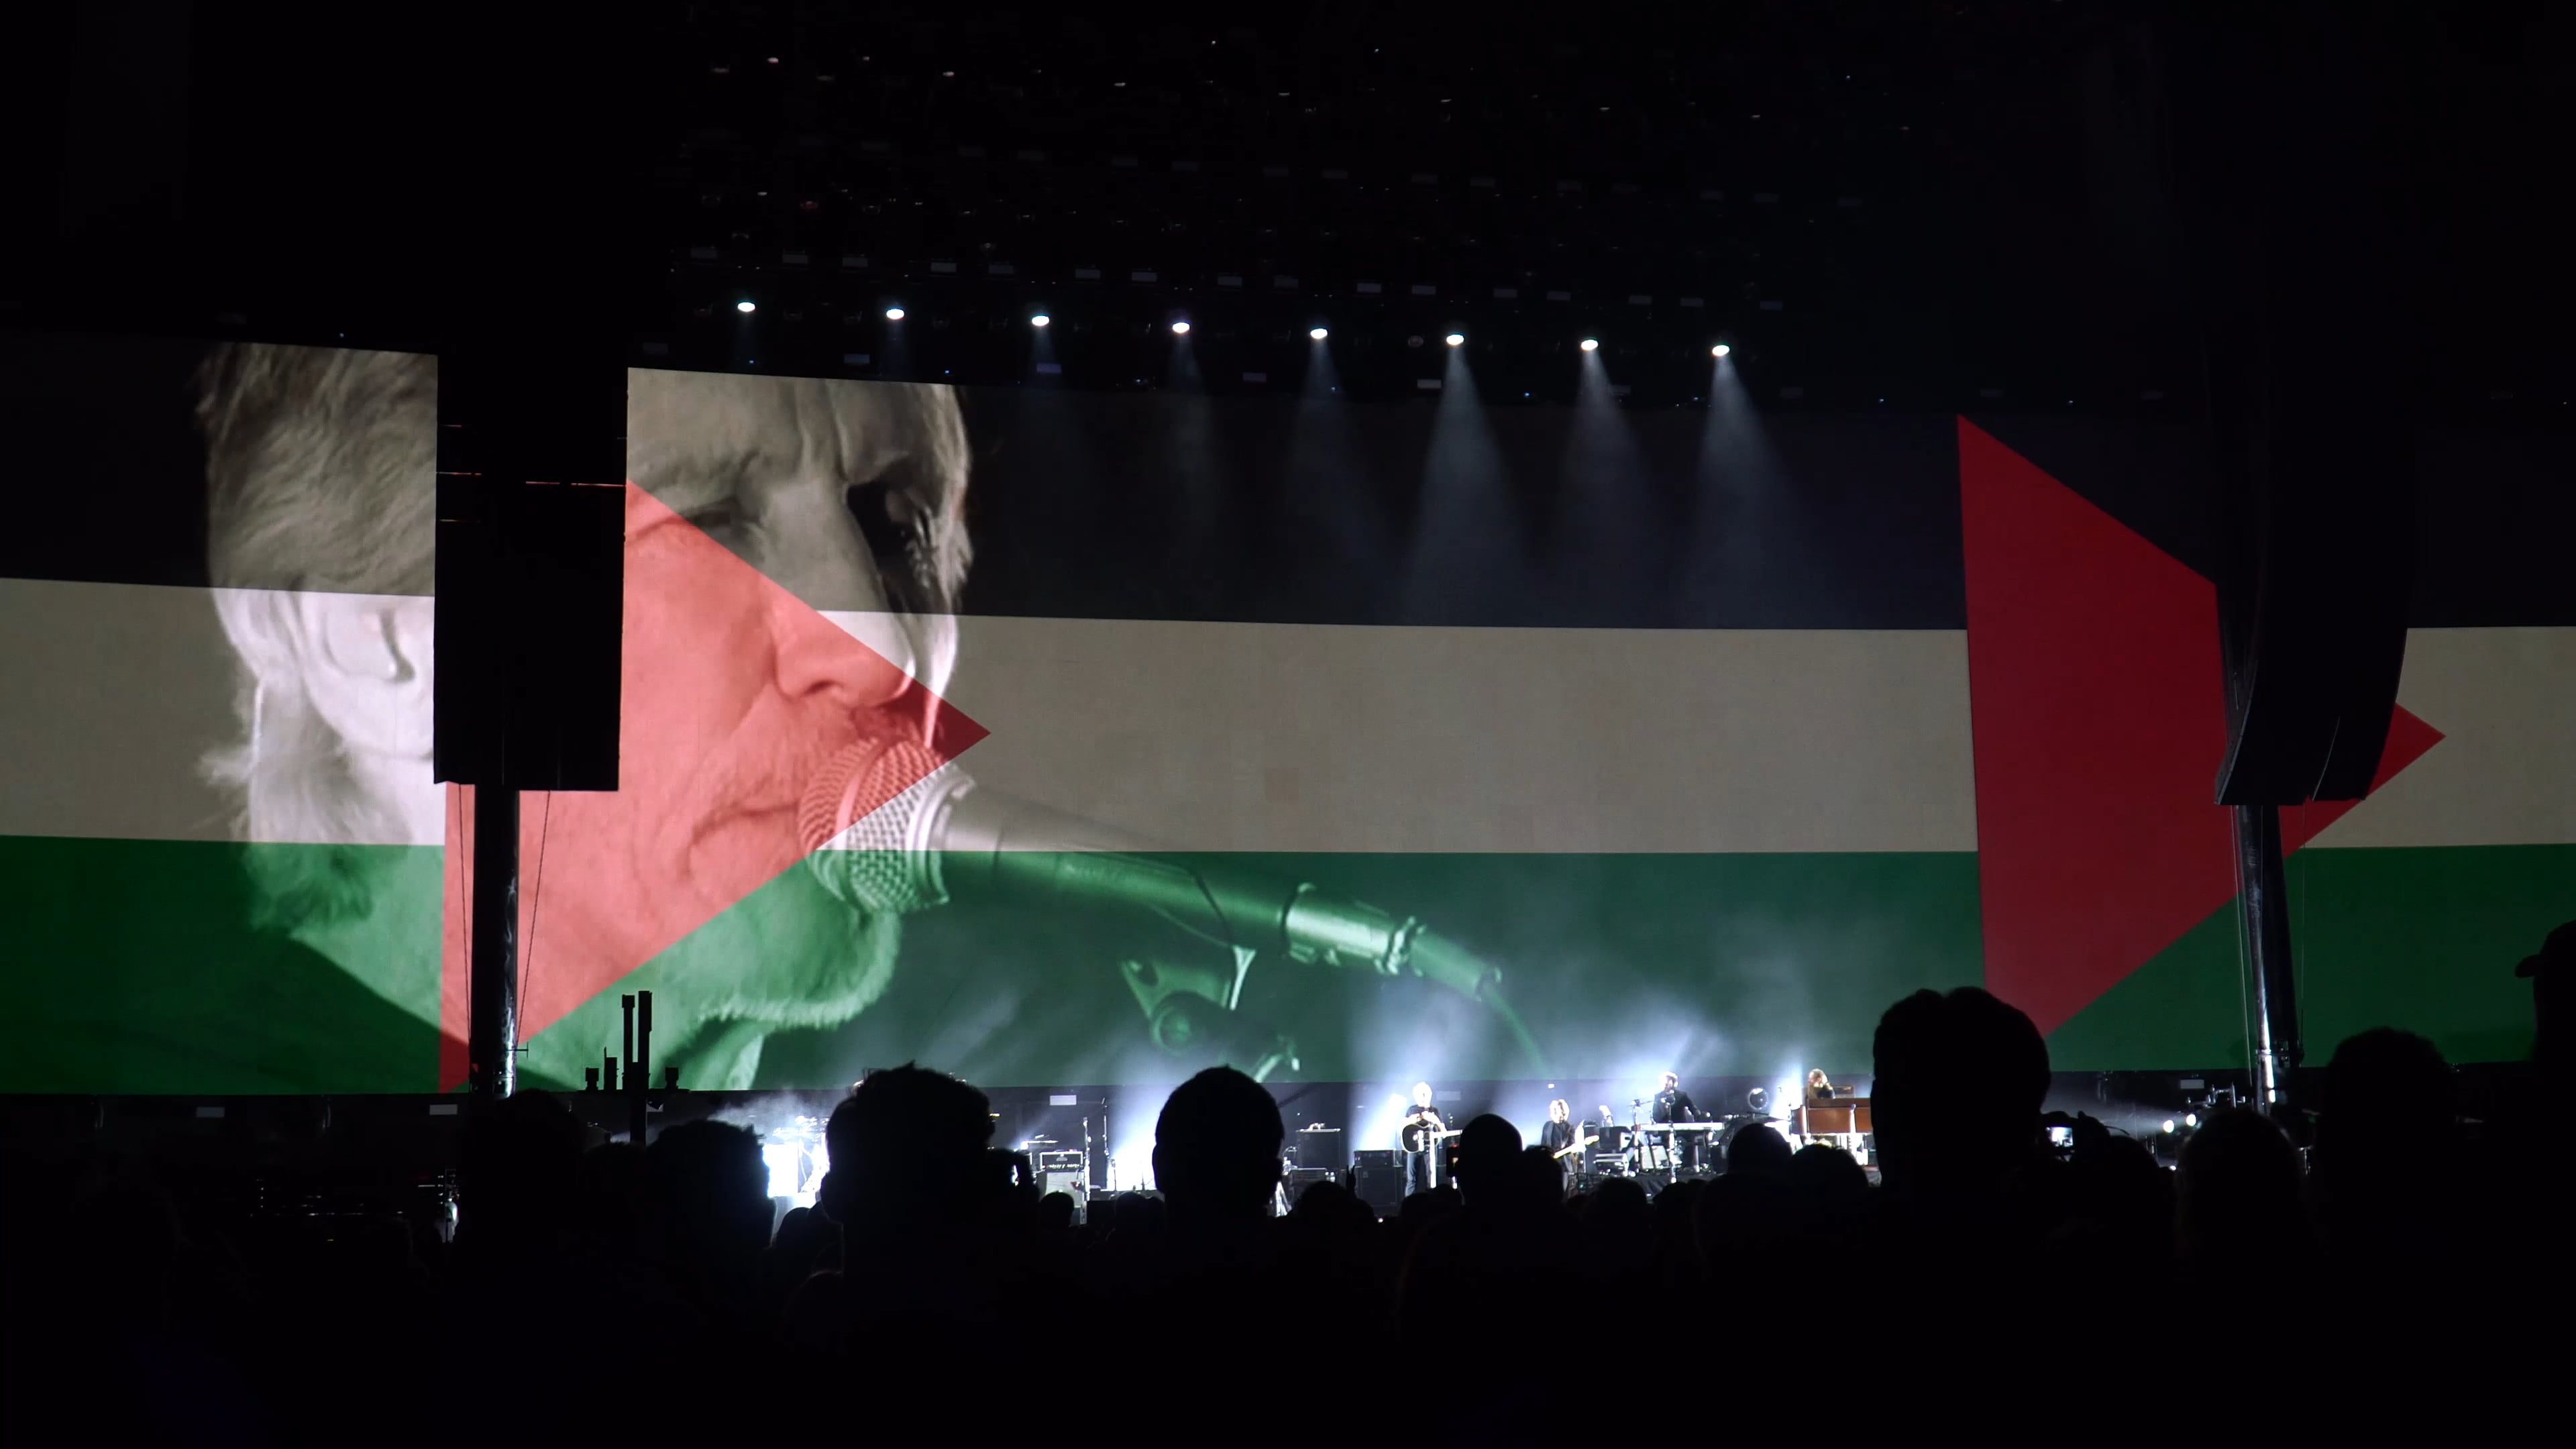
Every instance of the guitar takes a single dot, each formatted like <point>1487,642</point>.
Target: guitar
<point>1419,1134</point>
<point>1577,1145</point>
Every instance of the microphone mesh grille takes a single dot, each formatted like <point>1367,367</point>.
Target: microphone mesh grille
<point>881,787</point>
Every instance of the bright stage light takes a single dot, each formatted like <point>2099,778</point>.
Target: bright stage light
<point>1720,350</point>
<point>1591,344</point>
<point>2168,1124</point>
<point>1040,320</point>
<point>744,306</point>
<point>1456,339</point>
<point>783,1160</point>
<point>2191,1119</point>
<point>1180,329</point>
<point>894,314</point>
<point>1317,334</point>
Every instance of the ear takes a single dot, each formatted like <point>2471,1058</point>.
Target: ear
<point>367,668</point>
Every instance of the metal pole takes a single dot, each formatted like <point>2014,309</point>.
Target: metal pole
<point>2263,921</point>
<point>492,1029</point>
<point>639,1073</point>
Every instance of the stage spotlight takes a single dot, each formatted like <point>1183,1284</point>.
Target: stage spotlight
<point>1456,339</point>
<point>1317,334</point>
<point>744,306</point>
<point>2191,1119</point>
<point>1720,350</point>
<point>1591,344</point>
<point>1040,320</point>
<point>1180,329</point>
<point>2169,1124</point>
<point>894,314</point>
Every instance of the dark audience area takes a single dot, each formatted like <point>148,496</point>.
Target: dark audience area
<point>2405,1253</point>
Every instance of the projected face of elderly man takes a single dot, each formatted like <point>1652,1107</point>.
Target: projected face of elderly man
<point>846,496</point>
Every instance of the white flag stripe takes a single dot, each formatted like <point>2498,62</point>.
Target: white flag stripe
<point>2505,771</point>
<point>1293,737</point>
<point>1298,738</point>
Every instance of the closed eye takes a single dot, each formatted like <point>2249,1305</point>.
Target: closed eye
<point>719,518</point>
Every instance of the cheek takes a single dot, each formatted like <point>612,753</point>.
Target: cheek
<point>696,659</point>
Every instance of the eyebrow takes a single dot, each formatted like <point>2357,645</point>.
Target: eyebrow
<point>694,467</point>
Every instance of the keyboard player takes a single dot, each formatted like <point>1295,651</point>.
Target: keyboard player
<point>1672,1104</point>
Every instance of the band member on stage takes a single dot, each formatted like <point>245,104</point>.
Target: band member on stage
<point>1818,1089</point>
<point>1421,1147</point>
<point>1557,1136</point>
<point>1672,1104</point>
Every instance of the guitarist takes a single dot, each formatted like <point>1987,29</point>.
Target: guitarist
<point>1421,1142</point>
<point>1566,1139</point>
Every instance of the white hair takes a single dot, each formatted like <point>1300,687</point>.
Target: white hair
<point>321,474</point>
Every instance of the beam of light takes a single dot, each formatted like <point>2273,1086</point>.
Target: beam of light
<point>1605,542</point>
<point>745,307</point>
<point>1337,502</point>
<point>1720,350</point>
<point>1042,360</point>
<point>1590,344</point>
<point>1180,329</point>
<point>1456,339</point>
<point>894,314</point>
<point>1378,1130</point>
<point>1467,561</point>
<point>1317,334</point>
<point>1740,546</point>
<point>1195,465</point>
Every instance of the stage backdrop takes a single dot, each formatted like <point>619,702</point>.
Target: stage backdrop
<point>1711,734</point>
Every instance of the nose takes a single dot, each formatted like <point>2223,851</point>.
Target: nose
<point>821,559</point>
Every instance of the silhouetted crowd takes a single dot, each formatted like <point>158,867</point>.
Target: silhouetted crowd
<point>2403,1256</point>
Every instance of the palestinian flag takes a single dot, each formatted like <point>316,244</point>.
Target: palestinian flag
<point>1713,735</point>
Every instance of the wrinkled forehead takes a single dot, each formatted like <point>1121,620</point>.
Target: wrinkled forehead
<point>680,423</point>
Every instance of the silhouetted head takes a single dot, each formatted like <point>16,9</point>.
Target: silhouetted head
<point>1743,1221</point>
<point>1330,1205</point>
<point>2388,1094</point>
<point>907,1150</point>
<point>1828,1176</point>
<point>2237,1190</point>
<point>2549,970</point>
<point>1758,1149</point>
<point>709,1196</point>
<point>1485,1146</point>
<point>1959,1083</point>
<point>1216,1147</point>
<point>1055,1212</point>
<point>1618,1204</point>
<point>1538,1179</point>
<point>517,1166</point>
<point>610,1195</point>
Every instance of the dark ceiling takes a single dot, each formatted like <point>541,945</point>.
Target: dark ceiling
<point>1940,204</point>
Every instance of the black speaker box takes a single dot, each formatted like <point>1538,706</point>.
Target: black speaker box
<point>1382,1188</point>
<point>531,566</point>
<point>2290,125</point>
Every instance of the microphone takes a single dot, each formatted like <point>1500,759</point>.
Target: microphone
<point>928,834</point>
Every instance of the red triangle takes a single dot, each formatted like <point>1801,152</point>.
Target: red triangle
<point>2099,715</point>
<point>2408,739</point>
<point>734,691</point>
